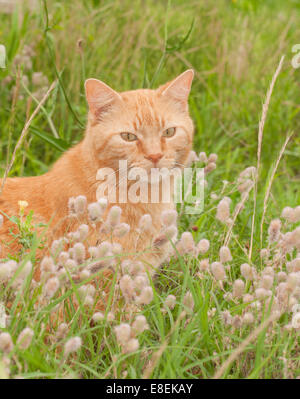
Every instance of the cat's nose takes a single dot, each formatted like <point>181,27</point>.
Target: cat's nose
<point>154,157</point>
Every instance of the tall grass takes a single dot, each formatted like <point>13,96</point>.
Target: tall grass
<point>234,48</point>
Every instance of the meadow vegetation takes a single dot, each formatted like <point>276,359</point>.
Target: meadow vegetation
<point>226,304</point>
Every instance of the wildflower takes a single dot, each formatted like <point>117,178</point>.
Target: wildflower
<point>24,271</point>
<point>116,248</point>
<point>274,230</point>
<point>292,281</point>
<point>70,265</point>
<point>204,265</point>
<point>83,231</point>
<point>245,186</point>
<point>110,316</point>
<point>94,212</point>
<point>145,222</point>
<point>267,282</point>
<point>225,255</point>
<point>39,79</point>
<point>223,211</point>
<point>97,317</point>
<point>62,331</point>
<point>145,297</point>
<point>170,301</point>
<point>238,288</point>
<point>51,286</point>
<point>264,253</point>
<point>5,271</point>
<point>203,246</point>
<point>226,316</point>
<point>63,257</point>
<point>123,332</point>
<point>103,203</point>
<point>72,345</point>
<point>281,276</point>
<point>22,205</point>
<point>170,232</point>
<point>282,291</point>
<point>127,287</point>
<point>261,293</point>
<point>114,215</point>
<point>203,157</point>
<point>6,344</point>
<point>296,321</point>
<point>212,158</point>
<point>131,346</point>
<point>248,172</point>
<point>80,204</point>
<point>210,167</point>
<point>297,214</point>
<point>247,271</point>
<point>1,221</point>
<point>140,282</point>
<point>56,247</point>
<point>47,265</point>
<point>248,318</point>
<point>169,218</point>
<point>71,206</point>
<point>192,157</point>
<point>218,271</point>
<point>86,291</point>
<point>104,249</point>
<point>79,252</point>
<point>188,301</point>
<point>84,274</point>
<point>288,214</point>
<point>293,265</point>
<point>121,230</point>
<point>25,338</point>
<point>187,242</point>
<point>248,298</point>
<point>140,324</point>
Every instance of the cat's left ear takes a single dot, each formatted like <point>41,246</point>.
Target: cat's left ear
<point>99,95</point>
<point>179,88</point>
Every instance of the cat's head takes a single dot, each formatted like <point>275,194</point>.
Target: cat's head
<point>148,128</point>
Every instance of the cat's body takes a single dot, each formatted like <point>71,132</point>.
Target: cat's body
<point>145,115</point>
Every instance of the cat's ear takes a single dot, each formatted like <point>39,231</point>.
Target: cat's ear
<point>179,88</point>
<point>99,96</point>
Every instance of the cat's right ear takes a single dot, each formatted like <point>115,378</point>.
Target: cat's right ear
<point>99,96</point>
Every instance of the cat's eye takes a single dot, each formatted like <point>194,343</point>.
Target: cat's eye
<point>169,132</point>
<point>128,136</point>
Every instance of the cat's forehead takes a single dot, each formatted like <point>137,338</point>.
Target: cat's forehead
<point>145,108</point>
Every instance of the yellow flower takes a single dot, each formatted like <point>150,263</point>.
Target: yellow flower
<point>22,205</point>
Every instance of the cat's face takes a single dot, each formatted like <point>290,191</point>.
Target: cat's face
<point>148,128</point>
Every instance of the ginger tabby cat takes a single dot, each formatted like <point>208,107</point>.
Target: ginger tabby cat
<point>148,128</point>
